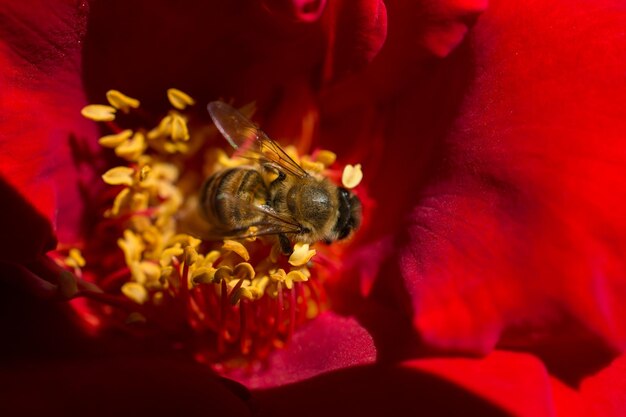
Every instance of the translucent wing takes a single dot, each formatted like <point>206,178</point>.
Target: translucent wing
<point>267,221</point>
<point>250,141</point>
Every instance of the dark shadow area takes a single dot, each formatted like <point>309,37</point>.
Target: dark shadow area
<point>373,391</point>
<point>210,49</point>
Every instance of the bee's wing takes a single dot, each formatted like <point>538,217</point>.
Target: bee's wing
<point>268,221</point>
<point>250,141</point>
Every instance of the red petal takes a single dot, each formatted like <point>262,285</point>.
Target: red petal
<point>41,123</point>
<point>523,231</point>
<point>438,26</point>
<point>500,384</point>
<point>327,343</point>
<point>605,392</point>
<point>299,10</point>
<point>356,31</point>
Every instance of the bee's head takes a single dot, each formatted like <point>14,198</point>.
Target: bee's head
<point>349,218</point>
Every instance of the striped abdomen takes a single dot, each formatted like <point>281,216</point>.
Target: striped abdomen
<point>228,198</point>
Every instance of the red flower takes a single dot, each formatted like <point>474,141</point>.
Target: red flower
<point>494,163</point>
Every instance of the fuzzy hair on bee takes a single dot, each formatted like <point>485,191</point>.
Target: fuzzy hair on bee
<point>295,206</point>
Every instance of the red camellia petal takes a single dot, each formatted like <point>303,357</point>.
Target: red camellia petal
<point>327,343</point>
<point>41,130</point>
<point>522,230</point>
<point>501,384</point>
<point>605,392</point>
<point>355,32</point>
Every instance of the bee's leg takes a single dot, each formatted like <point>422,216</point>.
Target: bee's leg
<point>268,166</point>
<point>285,244</point>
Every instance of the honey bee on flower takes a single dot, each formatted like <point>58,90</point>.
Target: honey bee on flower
<point>295,205</point>
<point>224,243</point>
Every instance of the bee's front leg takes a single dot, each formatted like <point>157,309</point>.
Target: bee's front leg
<point>285,244</point>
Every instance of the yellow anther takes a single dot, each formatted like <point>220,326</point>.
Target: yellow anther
<point>352,176</point>
<point>121,101</point>
<point>135,292</point>
<point>301,254</point>
<point>224,161</point>
<point>275,252</point>
<point>157,131</point>
<point>212,256</point>
<point>297,276</point>
<point>244,270</point>
<point>139,201</point>
<point>132,246</point>
<point>179,99</point>
<point>260,283</point>
<point>166,273</point>
<point>145,272</point>
<point>203,275</point>
<point>294,276</point>
<point>120,201</point>
<point>132,149</point>
<point>223,273</point>
<point>278,275</point>
<point>185,240</point>
<point>312,166</point>
<point>166,172</point>
<point>98,112</point>
<point>75,259</point>
<point>326,157</point>
<point>293,153</point>
<point>237,247</point>
<point>169,253</point>
<point>111,141</point>
<point>179,130</point>
<point>248,293</point>
<point>119,176</point>
<point>190,255</point>
<point>143,173</point>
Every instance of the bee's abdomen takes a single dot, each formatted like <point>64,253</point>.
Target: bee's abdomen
<point>228,197</point>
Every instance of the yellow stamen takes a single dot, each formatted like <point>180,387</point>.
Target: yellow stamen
<point>132,246</point>
<point>119,176</point>
<point>169,253</point>
<point>296,276</point>
<point>326,157</point>
<point>119,203</point>
<point>121,101</point>
<point>143,173</point>
<point>237,247</point>
<point>75,259</point>
<point>223,273</point>
<point>98,112</point>
<point>112,141</point>
<point>179,129</point>
<point>179,99</point>
<point>135,292</point>
<point>312,166</point>
<point>186,240</point>
<point>352,176</point>
<point>190,255</point>
<point>301,254</point>
<point>132,149</point>
<point>244,270</point>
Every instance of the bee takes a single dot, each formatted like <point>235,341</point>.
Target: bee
<point>295,206</point>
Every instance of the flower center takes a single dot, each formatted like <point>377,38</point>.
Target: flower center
<point>233,300</point>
